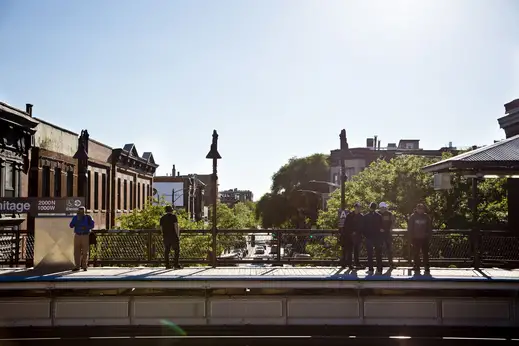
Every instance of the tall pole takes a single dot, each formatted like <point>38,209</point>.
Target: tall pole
<point>215,156</point>
<point>343,148</point>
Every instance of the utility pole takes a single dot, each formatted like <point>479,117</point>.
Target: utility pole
<point>343,148</point>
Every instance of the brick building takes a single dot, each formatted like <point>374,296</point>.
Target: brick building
<point>17,129</point>
<point>117,180</point>
<point>232,196</point>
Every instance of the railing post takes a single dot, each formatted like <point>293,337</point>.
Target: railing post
<point>150,242</point>
<point>278,241</point>
<point>17,248</point>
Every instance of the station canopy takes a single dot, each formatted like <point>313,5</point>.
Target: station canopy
<point>500,159</point>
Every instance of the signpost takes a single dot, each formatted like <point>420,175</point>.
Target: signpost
<point>35,205</point>
<point>342,217</point>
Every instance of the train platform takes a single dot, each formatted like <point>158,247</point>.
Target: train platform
<point>259,277</point>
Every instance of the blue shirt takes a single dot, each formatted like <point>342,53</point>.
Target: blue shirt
<point>82,227</point>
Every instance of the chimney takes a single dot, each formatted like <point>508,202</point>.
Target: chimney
<point>510,122</point>
<point>374,147</point>
<point>173,171</point>
<point>369,142</point>
<point>178,174</point>
<point>28,109</point>
<point>379,145</point>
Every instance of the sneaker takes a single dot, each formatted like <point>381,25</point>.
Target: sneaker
<point>178,267</point>
<point>75,269</point>
<point>84,269</point>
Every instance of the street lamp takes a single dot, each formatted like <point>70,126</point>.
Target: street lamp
<point>317,193</point>
<point>343,148</point>
<point>325,182</point>
<point>215,156</point>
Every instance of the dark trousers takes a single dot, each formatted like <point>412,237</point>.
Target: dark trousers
<point>420,245</point>
<point>374,243</point>
<point>387,242</point>
<point>175,246</point>
<point>350,251</point>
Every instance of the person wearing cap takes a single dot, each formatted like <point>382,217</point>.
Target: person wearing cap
<point>171,236</point>
<point>419,228</point>
<point>352,237</point>
<point>82,224</point>
<point>372,227</point>
<point>388,221</point>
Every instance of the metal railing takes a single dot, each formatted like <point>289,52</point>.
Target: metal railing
<point>457,248</point>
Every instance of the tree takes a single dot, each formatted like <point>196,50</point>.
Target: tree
<point>192,245</point>
<point>402,184</point>
<point>280,207</point>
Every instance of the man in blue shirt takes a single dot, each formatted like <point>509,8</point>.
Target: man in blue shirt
<point>82,225</point>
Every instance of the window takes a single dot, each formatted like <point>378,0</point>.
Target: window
<point>103,191</point>
<point>125,192</point>
<point>57,182</point>
<point>119,193</point>
<point>45,181</point>
<point>70,183</point>
<point>89,188</point>
<point>144,197</point>
<point>138,195</point>
<point>131,195</point>
<point>96,191</point>
<point>9,180</point>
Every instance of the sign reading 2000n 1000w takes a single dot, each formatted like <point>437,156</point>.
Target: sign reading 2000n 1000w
<point>35,205</point>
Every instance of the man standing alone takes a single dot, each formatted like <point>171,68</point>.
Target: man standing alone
<point>419,228</point>
<point>82,225</point>
<point>171,236</point>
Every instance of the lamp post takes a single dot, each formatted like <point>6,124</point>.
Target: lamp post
<point>344,147</point>
<point>215,156</point>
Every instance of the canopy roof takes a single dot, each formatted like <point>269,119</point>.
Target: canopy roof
<point>499,158</point>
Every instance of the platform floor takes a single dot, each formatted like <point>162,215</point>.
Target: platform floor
<point>120,274</point>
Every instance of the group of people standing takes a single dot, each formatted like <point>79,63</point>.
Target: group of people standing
<point>375,227</point>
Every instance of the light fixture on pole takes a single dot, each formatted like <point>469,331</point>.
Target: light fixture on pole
<point>215,156</point>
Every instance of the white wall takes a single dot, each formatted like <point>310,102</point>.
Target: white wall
<point>171,191</point>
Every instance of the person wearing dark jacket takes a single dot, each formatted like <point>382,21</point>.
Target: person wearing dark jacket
<point>419,228</point>
<point>351,237</point>
<point>388,220</point>
<point>372,228</point>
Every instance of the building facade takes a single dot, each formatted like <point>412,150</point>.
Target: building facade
<point>17,129</point>
<point>233,196</point>
<point>359,158</point>
<point>190,192</point>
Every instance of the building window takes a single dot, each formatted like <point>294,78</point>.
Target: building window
<point>144,197</point>
<point>103,191</point>
<point>131,195</point>
<point>57,182</point>
<point>138,195</point>
<point>89,188</point>
<point>9,180</point>
<point>70,183</point>
<point>125,195</point>
<point>45,181</point>
<point>119,193</point>
<point>96,191</point>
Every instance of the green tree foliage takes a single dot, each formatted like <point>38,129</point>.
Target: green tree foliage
<point>279,207</point>
<point>136,245</point>
<point>402,183</point>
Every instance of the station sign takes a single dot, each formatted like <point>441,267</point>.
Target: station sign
<point>342,217</point>
<point>44,205</point>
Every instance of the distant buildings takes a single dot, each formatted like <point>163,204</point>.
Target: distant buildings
<point>361,157</point>
<point>233,196</point>
<point>190,192</point>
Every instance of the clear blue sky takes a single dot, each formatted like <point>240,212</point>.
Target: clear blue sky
<point>276,78</point>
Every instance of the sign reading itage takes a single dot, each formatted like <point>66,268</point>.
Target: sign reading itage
<point>34,205</point>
